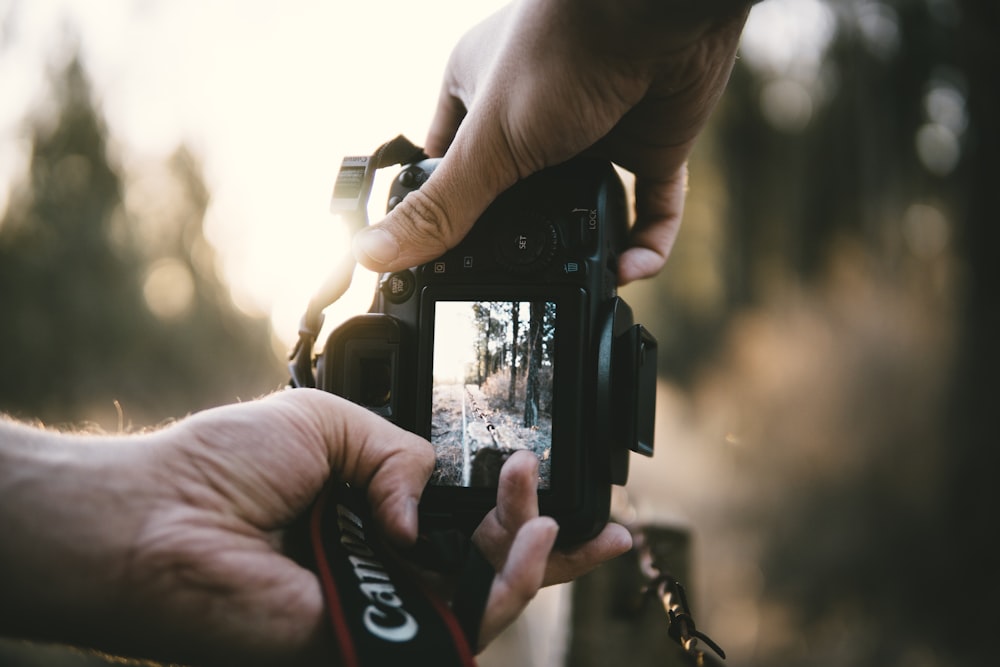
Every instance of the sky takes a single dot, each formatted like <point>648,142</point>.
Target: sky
<point>454,341</point>
<point>271,96</point>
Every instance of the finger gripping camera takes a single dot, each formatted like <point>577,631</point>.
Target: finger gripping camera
<point>514,339</point>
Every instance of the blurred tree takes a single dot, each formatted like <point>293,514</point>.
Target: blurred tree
<point>882,147</point>
<point>972,585</point>
<point>800,160</point>
<point>102,303</point>
<point>532,394</point>
<point>879,164</point>
<point>515,331</point>
<point>846,166</point>
<point>911,127</point>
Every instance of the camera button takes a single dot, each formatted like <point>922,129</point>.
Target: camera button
<point>574,269</point>
<point>585,223</point>
<point>412,178</point>
<point>398,287</point>
<point>407,178</point>
<point>527,245</point>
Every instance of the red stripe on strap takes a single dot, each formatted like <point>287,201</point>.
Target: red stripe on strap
<point>458,637</point>
<point>348,653</point>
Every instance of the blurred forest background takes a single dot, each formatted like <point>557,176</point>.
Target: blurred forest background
<point>829,335</point>
<point>828,332</point>
<point>112,307</point>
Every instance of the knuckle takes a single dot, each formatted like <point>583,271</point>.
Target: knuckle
<point>518,591</point>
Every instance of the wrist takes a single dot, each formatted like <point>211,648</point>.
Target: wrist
<point>67,516</point>
<point>675,24</point>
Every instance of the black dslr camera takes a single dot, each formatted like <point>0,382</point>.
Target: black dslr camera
<point>515,339</point>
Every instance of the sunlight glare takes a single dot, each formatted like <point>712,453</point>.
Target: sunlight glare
<point>269,97</point>
<point>454,342</point>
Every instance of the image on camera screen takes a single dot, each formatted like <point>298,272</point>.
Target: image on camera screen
<point>493,366</point>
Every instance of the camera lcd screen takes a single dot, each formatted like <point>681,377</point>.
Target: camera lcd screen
<point>493,370</point>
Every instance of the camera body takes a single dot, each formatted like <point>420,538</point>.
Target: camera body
<point>514,339</point>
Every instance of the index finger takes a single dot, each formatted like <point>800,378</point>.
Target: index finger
<point>367,450</point>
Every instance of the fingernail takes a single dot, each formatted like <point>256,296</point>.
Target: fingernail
<point>377,245</point>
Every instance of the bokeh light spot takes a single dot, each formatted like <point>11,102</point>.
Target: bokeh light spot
<point>926,230</point>
<point>169,288</point>
<point>786,104</point>
<point>938,148</point>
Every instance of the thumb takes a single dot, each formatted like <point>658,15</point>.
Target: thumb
<point>432,220</point>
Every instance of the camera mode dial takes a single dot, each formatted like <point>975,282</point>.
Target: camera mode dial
<point>526,244</point>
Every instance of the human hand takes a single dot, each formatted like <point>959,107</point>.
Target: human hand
<point>170,545</point>
<point>516,540</point>
<point>544,80</point>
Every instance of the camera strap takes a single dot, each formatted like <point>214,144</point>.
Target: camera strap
<point>379,613</point>
<point>351,191</point>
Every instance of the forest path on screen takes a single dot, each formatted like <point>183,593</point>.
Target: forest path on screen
<point>473,435</point>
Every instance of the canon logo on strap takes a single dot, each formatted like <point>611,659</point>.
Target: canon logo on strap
<point>385,617</point>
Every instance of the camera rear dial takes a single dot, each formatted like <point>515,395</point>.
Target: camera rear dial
<point>526,244</point>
